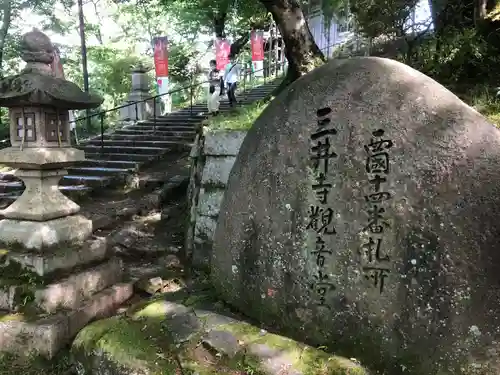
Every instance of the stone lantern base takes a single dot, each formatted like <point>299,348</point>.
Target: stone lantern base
<point>42,216</point>
<point>54,276</point>
<point>45,299</point>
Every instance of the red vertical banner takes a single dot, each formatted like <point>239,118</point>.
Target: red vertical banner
<point>160,48</point>
<point>257,44</point>
<point>222,50</point>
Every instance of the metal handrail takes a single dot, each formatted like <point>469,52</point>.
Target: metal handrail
<point>191,87</point>
<point>102,114</point>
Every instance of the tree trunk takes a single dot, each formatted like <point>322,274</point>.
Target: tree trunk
<point>301,51</point>
<point>4,30</point>
<point>81,21</point>
<point>220,25</point>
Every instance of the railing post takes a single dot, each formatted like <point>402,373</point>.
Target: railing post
<point>102,132</point>
<point>245,80</point>
<point>154,115</point>
<point>191,95</point>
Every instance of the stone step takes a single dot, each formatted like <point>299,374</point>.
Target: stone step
<point>11,185</point>
<point>121,157</point>
<point>165,126</point>
<point>75,191</point>
<point>156,144</point>
<point>160,132</point>
<point>173,120</point>
<point>87,180</point>
<point>103,163</point>
<point>169,123</point>
<point>98,171</point>
<point>158,136</point>
<point>49,334</point>
<point>72,191</point>
<point>159,128</point>
<point>7,176</point>
<point>110,148</point>
<point>70,293</point>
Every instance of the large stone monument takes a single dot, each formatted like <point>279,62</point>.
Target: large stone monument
<point>363,213</point>
<point>141,107</point>
<point>54,276</point>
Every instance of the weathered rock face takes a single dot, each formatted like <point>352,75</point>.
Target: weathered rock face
<point>363,210</point>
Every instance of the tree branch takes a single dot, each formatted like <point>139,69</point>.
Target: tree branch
<point>237,46</point>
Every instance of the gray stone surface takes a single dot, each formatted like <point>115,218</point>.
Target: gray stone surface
<point>434,216</point>
<point>222,342</point>
<point>181,327</point>
<point>48,335</point>
<point>62,259</point>
<point>212,158</point>
<point>223,142</point>
<point>205,229</point>
<point>38,235</point>
<point>71,292</point>
<point>209,202</point>
<point>216,171</point>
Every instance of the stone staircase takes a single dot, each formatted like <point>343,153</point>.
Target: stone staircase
<point>112,160</point>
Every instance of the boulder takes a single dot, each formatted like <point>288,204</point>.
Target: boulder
<point>149,340</point>
<point>362,213</point>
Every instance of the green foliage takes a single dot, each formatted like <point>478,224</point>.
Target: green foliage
<point>240,119</point>
<point>382,17</point>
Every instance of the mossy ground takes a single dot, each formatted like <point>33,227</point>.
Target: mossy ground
<point>241,118</point>
<point>12,365</point>
<point>483,98</point>
<point>141,340</point>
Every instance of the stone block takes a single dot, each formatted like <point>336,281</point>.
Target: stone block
<point>227,142</point>
<point>33,158</point>
<point>195,150</point>
<point>46,336</point>
<point>217,170</point>
<point>71,292</point>
<point>63,258</point>
<point>205,228</point>
<point>209,202</point>
<point>41,199</point>
<point>39,235</point>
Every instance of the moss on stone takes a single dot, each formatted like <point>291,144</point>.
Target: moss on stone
<point>308,360</point>
<point>17,317</point>
<point>138,345</point>
<point>14,273</point>
<point>33,365</point>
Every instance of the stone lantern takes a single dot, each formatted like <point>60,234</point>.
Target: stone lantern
<point>52,267</point>
<point>140,93</point>
<point>38,105</point>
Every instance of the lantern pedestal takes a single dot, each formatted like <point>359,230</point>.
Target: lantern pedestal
<point>55,276</point>
<point>41,200</point>
<point>42,211</point>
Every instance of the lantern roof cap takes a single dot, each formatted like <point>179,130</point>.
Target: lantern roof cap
<point>37,84</point>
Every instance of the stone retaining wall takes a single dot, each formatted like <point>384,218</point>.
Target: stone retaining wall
<point>212,158</point>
